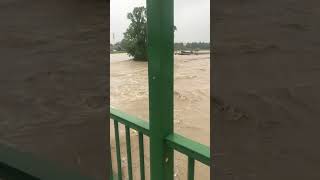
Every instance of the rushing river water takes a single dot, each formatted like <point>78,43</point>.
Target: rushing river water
<point>53,81</point>
<point>119,57</point>
<point>129,93</point>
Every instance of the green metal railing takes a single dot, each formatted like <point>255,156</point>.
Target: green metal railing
<point>193,150</point>
<point>160,129</point>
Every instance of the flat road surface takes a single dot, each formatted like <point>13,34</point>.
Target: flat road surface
<point>53,81</point>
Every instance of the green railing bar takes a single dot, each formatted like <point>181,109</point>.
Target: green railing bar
<point>131,121</point>
<point>190,148</point>
<point>184,145</point>
<point>128,141</point>
<point>116,128</point>
<point>33,166</point>
<point>141,155</point>
<point>110,164</point>
<point>190,168</point>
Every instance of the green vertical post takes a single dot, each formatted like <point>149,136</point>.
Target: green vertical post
<point>110,164</point>
<point>128,141</point>
<point>190,168</point>
<point>141,156</point>
<point>118,151</point>
<point>160,57</point>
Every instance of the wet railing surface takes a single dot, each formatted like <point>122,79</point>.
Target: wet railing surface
<point>193,150</point>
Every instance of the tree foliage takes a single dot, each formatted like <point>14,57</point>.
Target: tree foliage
<point>135,38</point>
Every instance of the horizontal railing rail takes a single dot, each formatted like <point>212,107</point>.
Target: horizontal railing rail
<point>193,150</point>
<point>131,121</point>
<point>190,148</point>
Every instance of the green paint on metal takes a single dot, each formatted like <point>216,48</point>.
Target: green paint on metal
<point>131,121</point>
<point>160,71</point>
<point>116,128</point>
<point>163,141</point>
<point>110,164</point>
<point>141,156</point>
<point>190,148</point>
<point>128,141</point>
<point>190,168</point>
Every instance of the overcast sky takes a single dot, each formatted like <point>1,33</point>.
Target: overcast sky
<point>192,19</point>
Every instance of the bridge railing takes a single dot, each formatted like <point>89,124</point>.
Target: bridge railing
<point>193,150</point>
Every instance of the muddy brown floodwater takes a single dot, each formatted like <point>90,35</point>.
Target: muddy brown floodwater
<point>129,93</point>
<point>266,90</point>
<point>53,81</point>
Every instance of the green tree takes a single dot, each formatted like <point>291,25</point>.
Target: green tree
<point>135,40</point>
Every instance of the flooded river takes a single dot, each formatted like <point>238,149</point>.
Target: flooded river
<point>53,82</point>
<point>129,93</point>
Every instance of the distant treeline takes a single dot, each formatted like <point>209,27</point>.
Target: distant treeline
<point>192,46</point>
<point>177,46</point>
